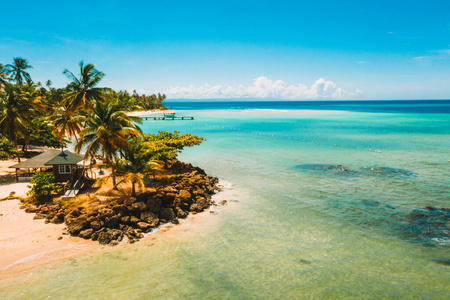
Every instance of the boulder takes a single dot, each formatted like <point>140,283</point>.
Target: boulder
<point>75,225</point>
<point>194,208</point>
<point>110,235</point>
<point>154,205</point>
<point>180,213</point>
<point>167,214</point>
<point>106,212</point>
<point>39,216</point>
<point>138,206</point>
<point>134,220</point>
<point>96,224</point>
<point>86,234</point>
<point>111,222</point>
<point>144,226</point>
<point>150,218</point>
<point>184,195</point>
<point>31,208</point>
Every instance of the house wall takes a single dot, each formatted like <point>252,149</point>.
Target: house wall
<point>66,176</point>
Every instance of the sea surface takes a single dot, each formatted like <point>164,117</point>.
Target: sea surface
<point>326,200</point>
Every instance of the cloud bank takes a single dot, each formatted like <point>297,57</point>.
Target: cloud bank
<point>263,88</point>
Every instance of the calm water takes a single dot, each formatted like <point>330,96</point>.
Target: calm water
<point>312,212</point>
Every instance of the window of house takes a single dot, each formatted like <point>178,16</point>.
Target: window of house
<point>64,169</point>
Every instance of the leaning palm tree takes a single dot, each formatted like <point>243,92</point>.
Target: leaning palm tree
<point>83,91</point>
<point>18,72</point>
<point>107,130</point>
<point>16,109</point>
<point>3,77</point>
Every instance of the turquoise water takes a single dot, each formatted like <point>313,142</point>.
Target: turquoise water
<point>312,213</point>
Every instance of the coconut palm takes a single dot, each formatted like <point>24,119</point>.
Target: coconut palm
<point>134,165</point>
<point>107,129</point>
<point>17,107</point>
<point>17,71</point>
<point>66,123</point>
<point>83,91</point>
<point>3,77</point>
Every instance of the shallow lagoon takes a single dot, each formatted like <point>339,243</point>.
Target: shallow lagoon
<point>287,232</point>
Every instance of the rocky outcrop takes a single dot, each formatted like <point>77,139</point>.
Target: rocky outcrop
<point>190,190</point>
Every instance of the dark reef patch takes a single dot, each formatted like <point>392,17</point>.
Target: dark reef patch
<point>342,171</point>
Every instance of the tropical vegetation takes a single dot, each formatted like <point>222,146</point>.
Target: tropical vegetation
<point>93,117</point>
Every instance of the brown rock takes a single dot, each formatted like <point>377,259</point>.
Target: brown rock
<point>96,224</point>
<point>180,213</point>
<point>129,201</point>
<point>184,194</point>
<point>144,226</point>
<point>39,216</point>
<point>75,225</point>
<point>149,218</point>
<point>138,206</point>
<point>86,234</point>
<point>134,220</point>
<point>111,222</point>
<point>31,208</point>
<point>167,214</point>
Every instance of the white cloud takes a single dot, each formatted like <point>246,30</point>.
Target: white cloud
<point>435,54</point>
<point>263,88</point>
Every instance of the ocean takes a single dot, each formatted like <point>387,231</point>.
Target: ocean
<point>326,200</point>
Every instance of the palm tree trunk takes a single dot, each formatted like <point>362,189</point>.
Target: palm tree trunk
<point>18,152</point>
<point>133,189</point>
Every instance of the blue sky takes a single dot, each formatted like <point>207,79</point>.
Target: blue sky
<point>240,49</point>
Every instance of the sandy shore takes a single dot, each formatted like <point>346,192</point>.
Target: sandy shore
<point>149,112</point>
<point>26,244</point>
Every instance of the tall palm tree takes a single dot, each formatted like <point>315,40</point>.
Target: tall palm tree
<point>83,91</point>
<point>16,109</point>
<point>17,71</point>
<point>107,129</point>
<point>3,77</point>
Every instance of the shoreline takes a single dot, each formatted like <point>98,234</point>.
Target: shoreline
<point>16,263</point>
<point>28,244</point>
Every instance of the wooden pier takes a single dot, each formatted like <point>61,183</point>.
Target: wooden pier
<point>171,117</point>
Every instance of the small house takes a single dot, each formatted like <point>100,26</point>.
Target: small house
<point>65,165</point>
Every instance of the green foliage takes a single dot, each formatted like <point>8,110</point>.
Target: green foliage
<point>7,148</point>
<point>41,134</point>
<point>166,146</point>
<point>43,185</point>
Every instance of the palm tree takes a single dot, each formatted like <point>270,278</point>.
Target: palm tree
<point>17,107</point>
<point>48,83</point>
<point>17,71</point>
<point>134,164</point>
<point>3,77</point>
<point>107,129</point>
<point>66,123</point>
<point>83,91</point>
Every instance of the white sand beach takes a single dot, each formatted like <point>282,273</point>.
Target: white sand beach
<point>149,112</point>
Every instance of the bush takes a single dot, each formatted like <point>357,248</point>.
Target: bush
<point>7,148</point>
<point>43,185</point>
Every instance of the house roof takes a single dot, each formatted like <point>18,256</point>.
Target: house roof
<point>50,157</point>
